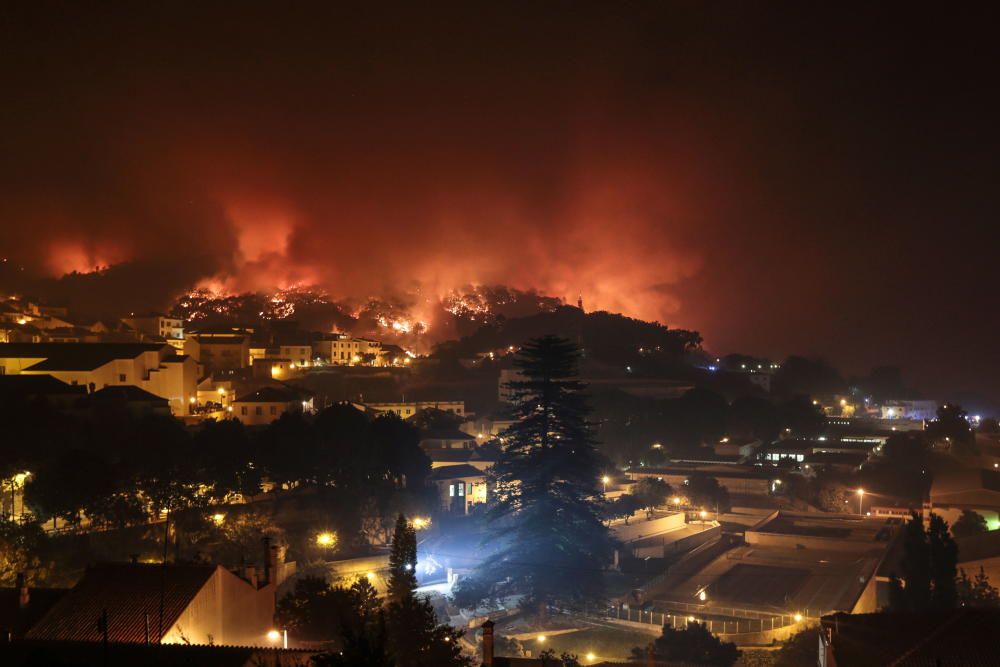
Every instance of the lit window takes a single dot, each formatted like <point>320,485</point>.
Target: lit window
<point>451,490</point>
<point>461,488</point>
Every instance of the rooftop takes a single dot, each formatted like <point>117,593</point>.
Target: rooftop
<point>454,472</point>
<point>271,394</point>
<point>128,592</point>
<point>74,356</point>
<point>964,637</point>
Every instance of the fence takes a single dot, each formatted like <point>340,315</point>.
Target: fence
<point>720,620</point>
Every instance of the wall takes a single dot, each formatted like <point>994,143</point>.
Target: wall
<point>227,611</point>
<point>638,529</point>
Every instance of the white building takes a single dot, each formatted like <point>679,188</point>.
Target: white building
<point>156,368</point>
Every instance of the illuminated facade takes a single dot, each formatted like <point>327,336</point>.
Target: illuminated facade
<point>408,409</point>
<point>155,368</point>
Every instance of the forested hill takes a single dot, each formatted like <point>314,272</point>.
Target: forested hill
<point>607,337</point>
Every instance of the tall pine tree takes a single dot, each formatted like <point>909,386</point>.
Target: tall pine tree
<point>402,561</point>
<point>414,636</point>
<point>547,541</point>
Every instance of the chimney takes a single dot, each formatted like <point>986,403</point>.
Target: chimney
<point>275,558</point>
<point>488,643</point>
<point>267,560</point>
<point>24,595</point>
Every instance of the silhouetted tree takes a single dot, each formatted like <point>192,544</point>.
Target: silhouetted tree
<point>706,492</point>
<point>914,592</point>
<point>544,520</point>
<point>692,645</point>
<point>944,558</point>
<point>402,561</point>
<point>976,592</point>
<point>969,523</point>
<point>650,493</point>
<point>414,635</point>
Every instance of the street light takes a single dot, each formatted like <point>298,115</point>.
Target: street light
<point>591,657</point>
<point>541,639</point>
<point>605,480</point>
<point>861,497</point>
<point>798,618</point>
<point>326,539</point>
<point>702,595</point>
<point>275,636</point>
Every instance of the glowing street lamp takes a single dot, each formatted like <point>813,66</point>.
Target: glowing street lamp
<point>274,636</point>
<point>798,618</point>
<point>605,480</point>
<point>541,639</point>
<point>590,657</point>
<point>326,540</point>
<point>861,497</point>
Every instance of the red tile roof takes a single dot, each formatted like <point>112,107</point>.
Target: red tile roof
<point>128,592</point>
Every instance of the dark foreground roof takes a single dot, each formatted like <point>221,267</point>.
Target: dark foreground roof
<point>128,592</point>
<point>36,385</point>
<point>127,393</point>
<point>455,472</point>
<point>74,356</point>
<point>92,654</point>
<point>16,619</point>
<point>965,637</point>
<point>271,395</point>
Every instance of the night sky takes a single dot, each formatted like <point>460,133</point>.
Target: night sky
<point>782,177</point>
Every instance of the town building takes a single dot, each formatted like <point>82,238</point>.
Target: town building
<point>340,350</point>
<point>155,604</point>
<point>219,350</point>
<point>459,487</point>
<point>158,327</point>
<point>912,410</point>
<point>268,404</point>
<point>446,438</point>
<point>406,409</point>
<point>155,368</point>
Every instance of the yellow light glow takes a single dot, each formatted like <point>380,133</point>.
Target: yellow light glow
<point>798,618</point>
<point>421,522</point>
<point>702,596</point>
<point>591,657</point>
<point>218,519</point>
<point>541,639</point>
<point>326,539</point>
<point>677,501</point>
<point>273,636</point>
<point>690,619</point>
<point>861,492</point>
<point>22,321</point>
<point>192,400</point>
<point>222,392</point>
<point>370,576</point>
<point>605,479</point>
<point>703,514</point>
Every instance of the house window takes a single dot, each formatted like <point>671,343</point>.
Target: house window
<point>258,410</point>
<point>451,490</point>
<point>121,377</point>
<point>274,409</point>
<point>461,488</point>
<point>243,411</point>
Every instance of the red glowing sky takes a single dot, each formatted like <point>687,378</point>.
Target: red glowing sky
<point>782,178</point>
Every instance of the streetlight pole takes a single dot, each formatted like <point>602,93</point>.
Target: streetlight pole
<point>861,497</point>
